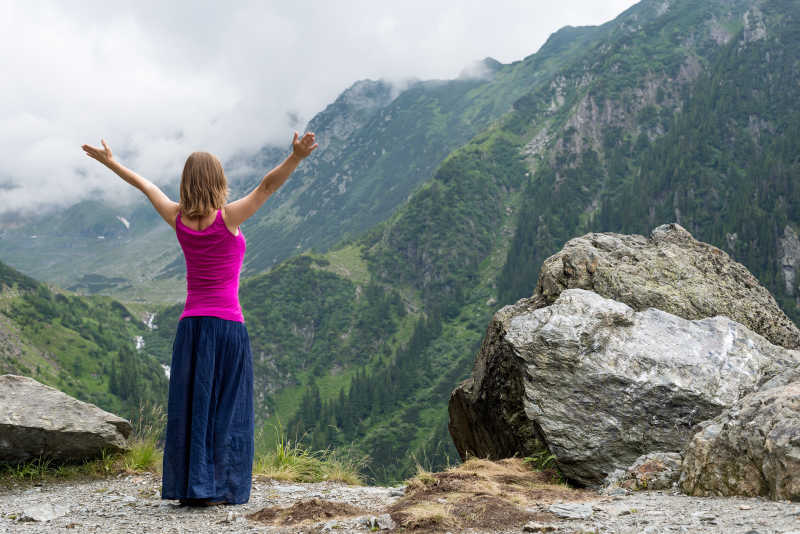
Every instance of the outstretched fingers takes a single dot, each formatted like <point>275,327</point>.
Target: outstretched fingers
<point>308,139</point>
<point>100,154</point>
<point>91,150</point>
<point>305,145</point>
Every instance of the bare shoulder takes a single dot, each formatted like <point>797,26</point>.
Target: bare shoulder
<point>168,210</point>
<point>225,218</point>
<point>171,213</point>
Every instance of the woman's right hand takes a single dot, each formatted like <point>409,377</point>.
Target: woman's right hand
<point>103,155</point>
<point>304,146</point>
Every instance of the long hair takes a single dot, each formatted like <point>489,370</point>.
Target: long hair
<point>204,188</point>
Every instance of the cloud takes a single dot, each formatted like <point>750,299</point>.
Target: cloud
<point>159,80</point>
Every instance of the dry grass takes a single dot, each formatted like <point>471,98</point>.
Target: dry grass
<point>305,511</point>
<point>291,461</point>
<point>483,494</point>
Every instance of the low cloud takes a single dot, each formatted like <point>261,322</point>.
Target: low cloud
<point>160,80</point>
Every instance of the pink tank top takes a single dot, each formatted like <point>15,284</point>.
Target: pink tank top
<point>213,264</point>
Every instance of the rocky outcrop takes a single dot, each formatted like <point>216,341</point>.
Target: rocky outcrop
<point>604,384</point>
<point>671,271</point>
<point>751,449</point>
<point>38,420</point>
<point>600,384</point>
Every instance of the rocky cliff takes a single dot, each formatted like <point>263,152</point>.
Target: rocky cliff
<point>626,345</point>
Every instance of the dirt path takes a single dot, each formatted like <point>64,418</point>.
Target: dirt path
<point>132,503</point>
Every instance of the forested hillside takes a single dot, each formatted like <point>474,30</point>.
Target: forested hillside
<point>719,155</point>
<point>83,346</point>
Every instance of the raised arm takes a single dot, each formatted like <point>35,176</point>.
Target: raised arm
<point>163,205</point>
<point>240,210</point>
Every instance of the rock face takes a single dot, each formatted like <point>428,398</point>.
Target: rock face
<point>671,271</point>
<point>36,419</point>
<point>751,449</point>
<point>604,384</point>
<point>496,412</point>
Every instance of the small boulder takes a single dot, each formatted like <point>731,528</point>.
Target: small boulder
<point>38,420</point>
<point>751,449</point>
<point>652,471</point>
<point>571,510</point>
<point>44,511</point>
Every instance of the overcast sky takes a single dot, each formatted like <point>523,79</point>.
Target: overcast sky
<point>159,80</point>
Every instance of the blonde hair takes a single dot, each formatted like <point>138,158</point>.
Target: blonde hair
<point>204,188</point>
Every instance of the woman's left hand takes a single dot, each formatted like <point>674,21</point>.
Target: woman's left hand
<point>103,155</point>
<point>304,146</point>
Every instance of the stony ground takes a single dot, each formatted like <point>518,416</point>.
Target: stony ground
<point>132,503</point>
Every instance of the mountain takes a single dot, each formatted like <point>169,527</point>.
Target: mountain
<point>712,144</point>
<point>378,142</point>
<point>366,304</point>
<point>88,347</point>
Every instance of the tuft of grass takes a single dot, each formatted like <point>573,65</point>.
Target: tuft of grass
<point>34,469</point>
<point>541,460</point>
<point>144,455</point>
<point>423,477</point>
<point>43,469</point>
<point>429,516</point>
<point>149,425</point>
<point>545,461</point>
<point>291,460</point>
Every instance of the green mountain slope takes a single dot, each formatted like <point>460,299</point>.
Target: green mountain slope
<point>84,346</point>
<point>377,144</point>
<point>719,157</point>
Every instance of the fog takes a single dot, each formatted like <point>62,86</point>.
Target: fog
<point>160,80</point>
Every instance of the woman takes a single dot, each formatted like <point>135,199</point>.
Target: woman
<point>208,452</point>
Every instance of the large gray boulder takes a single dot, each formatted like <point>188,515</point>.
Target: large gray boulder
<point>38,420</point>
<point>669,270</point>
<point>604,384</point>
<point>751,449</point>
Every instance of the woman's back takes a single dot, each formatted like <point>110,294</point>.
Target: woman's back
<point>213,258</point>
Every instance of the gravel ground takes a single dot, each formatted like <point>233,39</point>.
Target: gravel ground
<point>132,503</point>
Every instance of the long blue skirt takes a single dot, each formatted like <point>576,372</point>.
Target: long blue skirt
<point>208,452</point>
